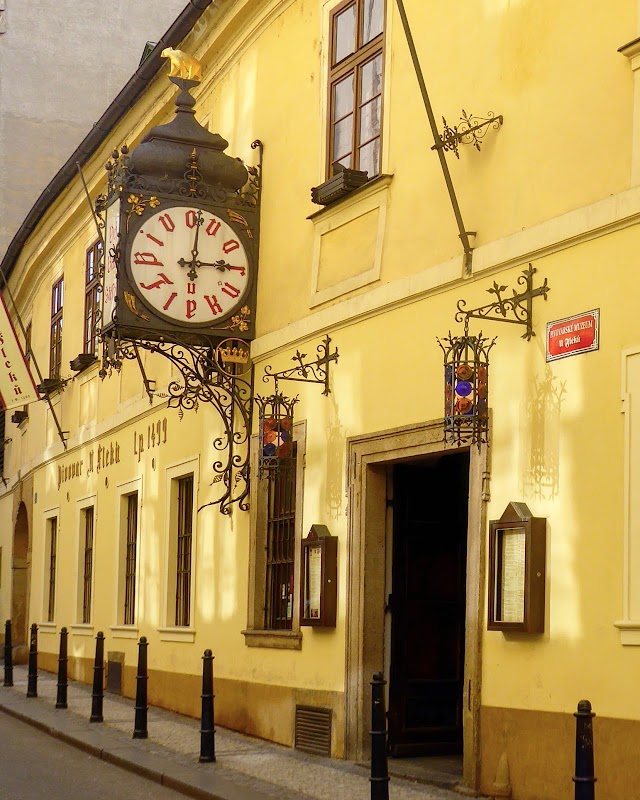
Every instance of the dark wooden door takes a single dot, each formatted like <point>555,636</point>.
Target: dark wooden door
<point>427,606</point>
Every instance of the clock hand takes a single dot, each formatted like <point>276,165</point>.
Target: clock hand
<point>193,263</point>
<point>220,265</point>
<point>194,252</point>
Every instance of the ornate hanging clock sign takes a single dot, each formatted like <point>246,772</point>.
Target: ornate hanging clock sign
<point>181,229</point>
<point>181,236</point>
<point>182,267</point>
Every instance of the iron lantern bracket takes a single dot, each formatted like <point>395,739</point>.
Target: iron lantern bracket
<point>516,309</point>
<point>316,371</point>
<point>469,130</point>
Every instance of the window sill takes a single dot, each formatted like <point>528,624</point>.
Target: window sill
<point>124,631</point>
<point>177,634</point>
<point>47,627</point>
<point>368,188</point>
<point>278,640</point>
<point>82,629</point>
<point>629,631</point>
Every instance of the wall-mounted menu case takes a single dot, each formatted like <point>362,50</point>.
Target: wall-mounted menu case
<point>319,578</point>
<point>517,556</point>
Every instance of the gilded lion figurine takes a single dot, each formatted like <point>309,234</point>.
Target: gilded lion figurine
<point>182,64</point>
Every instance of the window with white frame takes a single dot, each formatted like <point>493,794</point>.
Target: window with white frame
<point>182,483</point>
<point>51,548</point>
<point>128,558</point>
<point>86,563</point>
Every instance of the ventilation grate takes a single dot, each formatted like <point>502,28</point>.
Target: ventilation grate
<point>313,730</point>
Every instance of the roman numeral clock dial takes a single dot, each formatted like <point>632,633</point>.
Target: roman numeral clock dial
<point>189,266</point>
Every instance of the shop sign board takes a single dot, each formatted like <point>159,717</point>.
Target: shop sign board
<point>573,335</point>
<point>17,387</point>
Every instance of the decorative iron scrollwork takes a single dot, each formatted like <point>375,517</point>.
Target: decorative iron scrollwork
<point>466,388</point>
<point>202,381</point>
<point>470,130</point>
<point>276,410</point>
<point>316,371</point>
<point>516,309</point>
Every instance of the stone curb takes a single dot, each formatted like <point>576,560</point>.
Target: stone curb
<point>147,765</point>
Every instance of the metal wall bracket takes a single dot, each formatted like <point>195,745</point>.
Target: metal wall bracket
<point>470,130</point>
<point>204,379</point>
<point>316,371</point>
<point>516,309</point>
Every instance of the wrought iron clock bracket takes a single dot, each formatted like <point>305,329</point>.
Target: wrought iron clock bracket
<point>516,309</point>
<point>469,130</point>
<point>203,378</point>
<point>316,371</point>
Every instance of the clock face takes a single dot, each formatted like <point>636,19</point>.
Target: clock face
<point>189,266</point>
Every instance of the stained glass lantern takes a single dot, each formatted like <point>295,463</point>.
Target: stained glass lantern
<point>275,427</point>
<point>466,388</point>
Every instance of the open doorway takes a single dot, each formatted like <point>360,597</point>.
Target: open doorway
<point>20,584</point>
<point>405,459</point>
<point>426,605</point>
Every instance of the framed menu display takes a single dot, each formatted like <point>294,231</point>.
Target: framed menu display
<point>517,556</point>
<point>319,578</point>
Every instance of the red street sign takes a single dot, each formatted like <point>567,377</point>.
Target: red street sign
<point>573,335</point>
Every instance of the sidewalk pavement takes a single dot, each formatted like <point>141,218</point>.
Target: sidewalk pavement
<point>245,768</point>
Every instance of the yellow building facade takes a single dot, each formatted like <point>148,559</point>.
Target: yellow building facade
<point>96,526</point>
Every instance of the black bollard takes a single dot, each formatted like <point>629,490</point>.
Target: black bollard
<point>379,768</point>
<point>97,696</point>
<point>32,682</point>
<point>140,726</point>
<point>207,731</point>
<point>8,655</point>
<point>61,698</point>
<point>584,778</point>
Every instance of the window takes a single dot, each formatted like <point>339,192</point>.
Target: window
<point>130,559</point>
<point>87,577</point>
<point>91,297</point>
<point>281,517</point>
<point>51,546</point>
<point>55,350</point>
<point>355,86</point>
<point>183,551</point>
<point>276,528</point>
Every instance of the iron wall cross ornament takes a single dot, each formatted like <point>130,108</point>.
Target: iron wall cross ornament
<point>275,412</point>
<point>516,309</point>
<point>466,359</point>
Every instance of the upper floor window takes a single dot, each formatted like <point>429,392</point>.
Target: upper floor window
<point>55,348</point>
<point>355,86</point>
<point>91,297</point>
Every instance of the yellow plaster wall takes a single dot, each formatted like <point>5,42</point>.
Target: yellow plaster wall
<point>557,150</point>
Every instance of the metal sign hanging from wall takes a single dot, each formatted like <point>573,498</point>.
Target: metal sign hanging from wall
<point>181,230</point>
<point>466,358</point>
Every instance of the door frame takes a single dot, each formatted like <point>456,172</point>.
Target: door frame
<point>368,457</point>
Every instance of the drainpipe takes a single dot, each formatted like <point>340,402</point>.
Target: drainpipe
<point>463,233</point>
